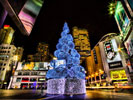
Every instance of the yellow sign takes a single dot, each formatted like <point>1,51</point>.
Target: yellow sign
<point>118,75</point>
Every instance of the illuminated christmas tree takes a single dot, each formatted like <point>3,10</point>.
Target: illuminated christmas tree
<point>67,76</point>
<point>65,51</point>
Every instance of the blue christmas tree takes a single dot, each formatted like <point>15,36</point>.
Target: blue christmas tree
<point>65,51</point>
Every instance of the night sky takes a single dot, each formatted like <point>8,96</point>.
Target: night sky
<point>89,14</point>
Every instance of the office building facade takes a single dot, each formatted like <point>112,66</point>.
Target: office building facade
<point>82,42</point>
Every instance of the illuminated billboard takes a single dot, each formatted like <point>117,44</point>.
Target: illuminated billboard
<point>122,19</point>
<point>29,13</point>
<point>112,54</point>
<point>34,66</point>
<point>118,75</point>
<point>56,63</point>
<point>129,45</point>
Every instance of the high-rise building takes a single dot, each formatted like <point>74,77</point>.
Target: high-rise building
<point>95,68</point>
<point>18,54</point>
<point>6,63</point>
<point>107,63</point>
<point>6,35</point>
<point>114,60</point>
<point>41,55</point>
<point>30,58</point>
<point>9,56</point>
<point>82,43</point>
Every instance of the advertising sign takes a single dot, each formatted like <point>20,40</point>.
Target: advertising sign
<point>129,45</point>
<point>118,75</point>
<point>115,64</point>
<point>29,13</point>
<point>34,66</point>
<point>122,19</point>
<point>112,54</point>
<point>56,63</point>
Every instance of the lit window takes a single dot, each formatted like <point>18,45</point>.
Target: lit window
<point>42,73</point>
<point>25,79</point>
<point>42,79</point>
<point>18,80</point>
<point>32,79</point>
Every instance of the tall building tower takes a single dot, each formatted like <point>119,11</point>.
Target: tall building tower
<point>9,57</point>
<point>6,35</point>
<point>82,43</point>
<point>42,54</point>
<point>18,54</point>
<point>6,63</point>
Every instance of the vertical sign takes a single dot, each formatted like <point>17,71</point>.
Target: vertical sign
<point>112,54</point>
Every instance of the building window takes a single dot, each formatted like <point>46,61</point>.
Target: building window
<point>25,79</point>
<point>18,80</point>
<point>42,79</point>
<point>93,79</point>
<point>26,73</point>
<point>33,73</point>
<point>42,73</point>
<point>19,73</point>
<point>33,79</point>
<point>0,64</point>
<point>97,78</point>
<point>89,79</point>
<point>3,69</point>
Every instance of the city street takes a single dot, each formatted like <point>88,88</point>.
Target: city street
<point>66,49</point>
<point>39,95</point>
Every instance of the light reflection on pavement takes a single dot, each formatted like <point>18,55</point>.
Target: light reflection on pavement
<point>37,95</point>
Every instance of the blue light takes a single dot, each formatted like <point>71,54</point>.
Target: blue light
<point>65,51</point>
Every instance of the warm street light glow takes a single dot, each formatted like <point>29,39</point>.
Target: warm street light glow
<point>54,58</point>
<point>101,71</point>
<point>16,57</point>
<point>96,74</point>
<point>120,49</point>
<point>92,75</point>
